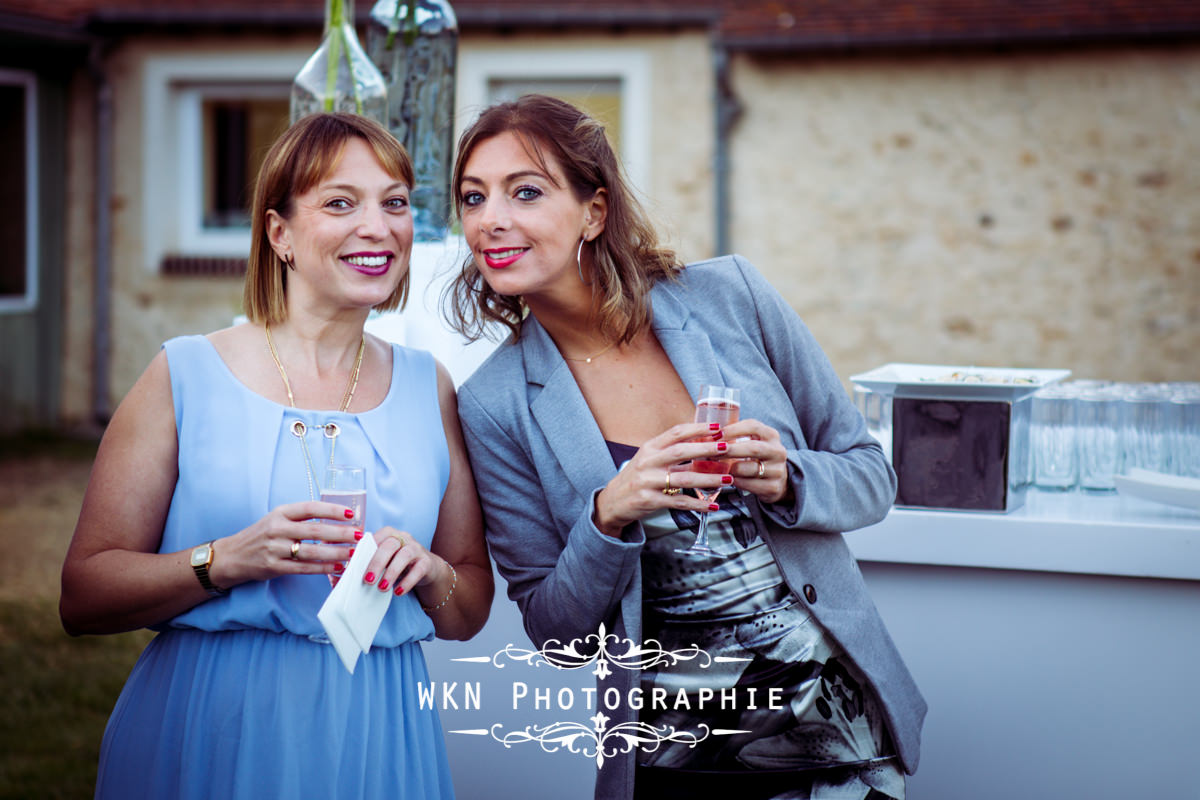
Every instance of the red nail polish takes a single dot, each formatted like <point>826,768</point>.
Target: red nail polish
<point>349,513</point>
<point>369,577</point>
<point>383,584</point>
<point>722,447</point>
<point>399,591</point>
<point>726,479</point>
<point>357,535</point>
<point>714,426</point>
<point>713,506</point>
<point>351,553</point>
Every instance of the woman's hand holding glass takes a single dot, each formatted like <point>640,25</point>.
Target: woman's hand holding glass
<point>648,481</point>
<point>292,539</point>
<point>401,563</point>
<point>638,490</point>
<point>751,444</point>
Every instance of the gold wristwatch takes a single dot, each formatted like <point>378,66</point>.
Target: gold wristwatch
<point>202,558</point>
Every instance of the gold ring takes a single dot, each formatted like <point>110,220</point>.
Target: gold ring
<point>762,468</point>
<point>296,550</point>
<point>399,539</point>
<point>669,491</point>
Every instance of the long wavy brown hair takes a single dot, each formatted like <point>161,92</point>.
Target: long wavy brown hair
<point>626,257</point>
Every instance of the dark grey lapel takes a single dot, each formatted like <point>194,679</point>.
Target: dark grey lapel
<point>683,337</point>
<point>562,414</point>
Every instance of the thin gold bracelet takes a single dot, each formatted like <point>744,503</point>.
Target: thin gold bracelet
<point>453,586</point>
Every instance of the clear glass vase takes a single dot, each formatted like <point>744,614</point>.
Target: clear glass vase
<point>414,43</point>
<point>339,76</point>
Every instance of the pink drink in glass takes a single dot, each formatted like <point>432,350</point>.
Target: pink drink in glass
<point>346,486</point>
<point>724,413</point>
<point>716,404</point>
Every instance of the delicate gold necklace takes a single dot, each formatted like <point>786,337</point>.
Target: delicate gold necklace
<point>350,387</point>
<point>588,359</point>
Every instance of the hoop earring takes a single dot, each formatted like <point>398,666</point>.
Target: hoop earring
<point>579,261</point>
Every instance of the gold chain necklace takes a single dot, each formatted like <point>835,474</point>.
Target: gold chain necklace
<point>350,387</point>
<point>330,429</point>
<point>588,359</point>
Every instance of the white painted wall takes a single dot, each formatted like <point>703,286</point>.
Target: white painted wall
<point>1045,686</point>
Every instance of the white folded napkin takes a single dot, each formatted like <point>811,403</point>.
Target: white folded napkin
<point>354,610</point>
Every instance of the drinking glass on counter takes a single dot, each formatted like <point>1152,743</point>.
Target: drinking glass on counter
<point>1099,416</point>
<point>876,408</point>
<point>1053,434</point>
<point>1146,421</point>
<point>1185,430</point>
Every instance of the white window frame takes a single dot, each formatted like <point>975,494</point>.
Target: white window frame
<point>630,67</point>
<point>29,301</point>
<point>174,89</point>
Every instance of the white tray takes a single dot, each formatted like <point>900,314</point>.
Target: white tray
<point>1173,490</point>
<point>969,383</point>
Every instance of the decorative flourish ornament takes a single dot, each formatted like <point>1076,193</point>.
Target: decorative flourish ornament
<point>599,741</point>
<point>597,648</point>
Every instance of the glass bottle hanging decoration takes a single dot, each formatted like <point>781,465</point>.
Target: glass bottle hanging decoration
<point>414,43</point>
<point>339,76</point>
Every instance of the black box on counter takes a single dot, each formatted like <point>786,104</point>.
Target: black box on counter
<point>958,436</point>
<point>960,454</point>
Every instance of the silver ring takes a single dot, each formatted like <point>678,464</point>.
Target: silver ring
<point>296,550</point>
<point>762,468</point>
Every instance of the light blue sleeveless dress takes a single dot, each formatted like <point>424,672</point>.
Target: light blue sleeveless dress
<point>240,697</point>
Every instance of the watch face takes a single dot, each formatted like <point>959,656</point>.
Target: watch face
<point>200,556</point>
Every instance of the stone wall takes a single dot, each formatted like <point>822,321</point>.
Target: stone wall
<point>1025,209</point>
<point>1038,210</point>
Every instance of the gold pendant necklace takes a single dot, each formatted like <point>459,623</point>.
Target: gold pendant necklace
<point>330,429</point>
<point>588,359</point>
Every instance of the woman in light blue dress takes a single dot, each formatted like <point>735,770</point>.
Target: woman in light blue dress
<point>203,518</point>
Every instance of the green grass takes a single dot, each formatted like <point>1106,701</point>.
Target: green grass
<point>58,692</point>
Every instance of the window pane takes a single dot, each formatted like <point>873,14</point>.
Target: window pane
<point>599,97</point>
<point>13,150</point>
<point>237,134</point>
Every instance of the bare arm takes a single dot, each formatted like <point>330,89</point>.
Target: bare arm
<point>459,537</point>
<point>114,579</point>
<point>466,589</point>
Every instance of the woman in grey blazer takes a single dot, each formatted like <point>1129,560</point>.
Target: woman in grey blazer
<point>579,431</point>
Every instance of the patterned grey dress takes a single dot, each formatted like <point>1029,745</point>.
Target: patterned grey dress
<point>819,734</point>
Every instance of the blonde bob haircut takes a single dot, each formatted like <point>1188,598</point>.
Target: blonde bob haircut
<point>626,258</point>
<point>307,153</point>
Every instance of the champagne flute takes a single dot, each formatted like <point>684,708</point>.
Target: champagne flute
<point>719,404</point>
<point>347,486</point>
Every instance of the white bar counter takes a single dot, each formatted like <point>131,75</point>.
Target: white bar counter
<point>1057,645</point>
<point>1052,532</point>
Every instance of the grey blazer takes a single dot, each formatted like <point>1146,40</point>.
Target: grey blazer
<point>539,458</point>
